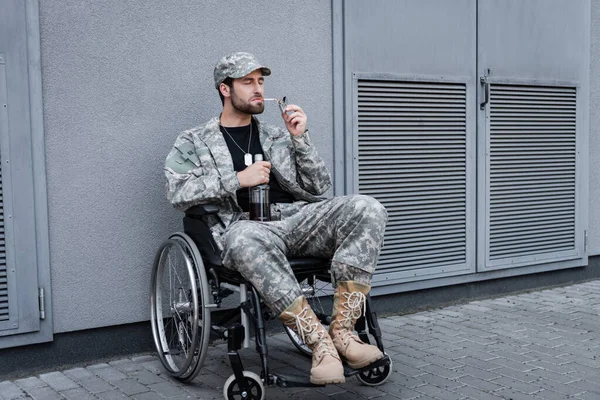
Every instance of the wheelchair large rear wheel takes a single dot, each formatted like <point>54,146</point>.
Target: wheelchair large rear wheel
<point>318,295</point>
<point>180,317</point>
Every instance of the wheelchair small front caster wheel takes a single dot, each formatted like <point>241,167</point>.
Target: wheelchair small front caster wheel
<point>256,389</point>
<point>375,376</point>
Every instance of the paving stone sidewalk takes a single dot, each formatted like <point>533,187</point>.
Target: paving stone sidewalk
<point>538,345</point>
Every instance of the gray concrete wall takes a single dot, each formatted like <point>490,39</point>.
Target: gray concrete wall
<point>120,80</point>
<point>594,210</point>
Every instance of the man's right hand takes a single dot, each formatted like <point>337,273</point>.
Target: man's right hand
<point>255,174</point>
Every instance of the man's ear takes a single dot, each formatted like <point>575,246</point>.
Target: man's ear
<point>225,90</point>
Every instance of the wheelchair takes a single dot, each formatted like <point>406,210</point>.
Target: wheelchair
<point>189,283</point>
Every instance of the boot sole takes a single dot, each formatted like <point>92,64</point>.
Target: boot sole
<point>325,381</point>
<point>364,363</point>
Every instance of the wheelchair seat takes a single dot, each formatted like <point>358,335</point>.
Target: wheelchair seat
<point>189,281</point>
<point>195,227</point>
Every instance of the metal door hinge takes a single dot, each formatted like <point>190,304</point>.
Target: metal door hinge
<point>486,88</point>
<point>41,298</point>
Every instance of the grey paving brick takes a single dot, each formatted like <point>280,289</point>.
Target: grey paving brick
<point>550,395</point>
<point>126,365</point>
<point>399,392</point>
<point>331,390</point>
<point>554,386</point>
<point>518,375</point>
<point>368,392</point>
<point>44,393</point>
<point>441,371</point>
<point>168,389</point>
<point>587,396</point>
<point>130,386</point>
<point>144,358</point>
<point>96,385</point>
<point>561,378</point>
<point>432,379</point>
<point>478,354</point>
<point>108,373</point>
<point>477,373</point>
<point>58,381</point>
<point>78,394</point>
<point>483,385</point>
<point>10,391</point>
<point>78,374</point>
<point>97,366</point>
<point>402,359</point>
<point>112,395</point>
<point>29,383</point>
<point>409,351</point>
<point>588,383</point>
<point>512,394</point>
<point>564,368</point>
<point>346,396</point>
<point>206,392</point>
<point>474,393</point>
<point>520,386</point>
<point>153,366</point>
<point>589,370</point>
<point>151,396</point>
<point>480,364</point>
<point>442,362</point>
<point>146,377</point>
<point>438,393</point>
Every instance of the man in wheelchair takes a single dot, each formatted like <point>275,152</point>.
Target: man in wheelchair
<point>212,164</point>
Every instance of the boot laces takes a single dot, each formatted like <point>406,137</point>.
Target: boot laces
<point>353,308</point>
<point>310,334</point>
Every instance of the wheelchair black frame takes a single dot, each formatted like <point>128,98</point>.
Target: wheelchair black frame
<point>196,228</point>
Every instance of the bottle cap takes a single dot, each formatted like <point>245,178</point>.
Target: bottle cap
<point>258,157</point>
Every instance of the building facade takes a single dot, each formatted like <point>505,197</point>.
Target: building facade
<point>472,121</point>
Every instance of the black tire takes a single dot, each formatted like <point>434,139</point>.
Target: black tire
<point>231,390</point>
<point>375,376</point>
<point>180,317</point>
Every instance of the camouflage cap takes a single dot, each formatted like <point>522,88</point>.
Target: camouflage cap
<point>237,65</point>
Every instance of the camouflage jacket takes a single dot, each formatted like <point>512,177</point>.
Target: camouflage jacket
<point>199,170</point>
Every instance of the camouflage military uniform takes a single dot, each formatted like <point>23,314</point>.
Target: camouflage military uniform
<point>348,229</point>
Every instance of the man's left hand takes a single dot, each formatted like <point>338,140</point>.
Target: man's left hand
<point>295,122</point>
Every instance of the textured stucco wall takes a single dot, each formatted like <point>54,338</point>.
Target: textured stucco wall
<point>120,80</point>
<point>594,201</point>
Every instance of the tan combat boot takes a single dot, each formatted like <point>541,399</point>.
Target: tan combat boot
<point>326,364</point>
<point>349,303</point>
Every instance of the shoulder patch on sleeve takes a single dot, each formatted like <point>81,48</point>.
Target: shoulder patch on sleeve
<point>183,158</point>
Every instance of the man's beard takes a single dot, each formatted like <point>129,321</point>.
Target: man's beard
<point>247,108</point>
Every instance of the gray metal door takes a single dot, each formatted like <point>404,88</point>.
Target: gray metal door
<point>533,65</point>
<point>409,135</point>
<point>19,309</point>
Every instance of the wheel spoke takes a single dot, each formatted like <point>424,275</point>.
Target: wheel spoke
<point>179,312</point>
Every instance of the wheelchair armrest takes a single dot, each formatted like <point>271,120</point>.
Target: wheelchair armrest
<point>201,210</point>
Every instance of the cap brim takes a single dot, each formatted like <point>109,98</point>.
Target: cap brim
<point>265,71</point>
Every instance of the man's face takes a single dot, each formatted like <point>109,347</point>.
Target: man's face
<point>247,93</point>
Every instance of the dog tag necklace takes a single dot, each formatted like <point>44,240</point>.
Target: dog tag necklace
<point>247,155</point>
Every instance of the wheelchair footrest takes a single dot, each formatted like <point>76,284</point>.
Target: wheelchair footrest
<point>283,380</point>
<point>381,363</point>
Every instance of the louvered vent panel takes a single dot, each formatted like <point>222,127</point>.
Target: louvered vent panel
<point>3,270</point>
<point>412,158</point>
<point>532,170</point>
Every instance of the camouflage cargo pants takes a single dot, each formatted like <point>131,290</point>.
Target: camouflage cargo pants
<point>347,229</point>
